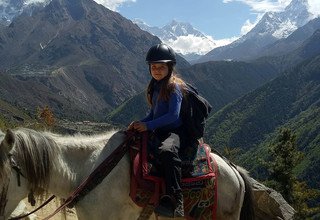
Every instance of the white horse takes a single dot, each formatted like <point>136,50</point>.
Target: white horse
<point>58,164</point>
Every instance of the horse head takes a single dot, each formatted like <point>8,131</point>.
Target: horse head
<point>13,188</point>
<point>7,143</point>
<point>8,140</point>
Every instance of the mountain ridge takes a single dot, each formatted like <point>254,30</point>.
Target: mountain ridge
<point>291,100</point>
<point>176,34</point>
<point>272,27</point>
<point>293,41</point>
<point>89,56</point>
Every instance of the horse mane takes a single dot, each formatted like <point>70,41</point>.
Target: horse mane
<point>34,152</point>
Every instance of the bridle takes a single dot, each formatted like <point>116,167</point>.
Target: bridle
<point>16,168</point>
<point>3,196</point>
<point>4,190</point>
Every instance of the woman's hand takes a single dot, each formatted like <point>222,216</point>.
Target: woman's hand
<point>140,126</point>
<point>137,125</point>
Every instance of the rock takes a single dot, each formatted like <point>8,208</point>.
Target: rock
<point>269,204</point>
<point>22,210</point>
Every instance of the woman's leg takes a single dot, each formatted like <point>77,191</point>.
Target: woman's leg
<point>171,163</point>
<point>171,169</point>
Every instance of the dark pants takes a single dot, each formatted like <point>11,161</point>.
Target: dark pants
<point>168,148</point>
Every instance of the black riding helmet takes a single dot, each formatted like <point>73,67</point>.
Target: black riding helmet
<point>161,53</point>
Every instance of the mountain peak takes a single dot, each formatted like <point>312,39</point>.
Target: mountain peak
<point>73,7</point>
<point>9,10</point>
<point>296,4</point>
<point>177,29</point>
<point>82,51</point>
<point>174,22</point>
<point>282,24</point>
<point>272,26</point>
<point>297,11</point>
<point>178,34</point>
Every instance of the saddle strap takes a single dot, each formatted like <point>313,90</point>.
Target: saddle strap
<point>146,212</point>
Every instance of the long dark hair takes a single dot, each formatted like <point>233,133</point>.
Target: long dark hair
<point>167,86</point>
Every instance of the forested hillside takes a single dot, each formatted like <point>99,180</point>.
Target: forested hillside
<point>291,100</point>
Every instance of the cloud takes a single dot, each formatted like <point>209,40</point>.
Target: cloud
<point>314,7</point>
<point>259,7</point>
<point>262,6</point>
<point>226,41</point>
<point>27,2</point>
<point>195,44</point>
<point>4,3</point>
<point>113,4</point>
<point>248,25</point>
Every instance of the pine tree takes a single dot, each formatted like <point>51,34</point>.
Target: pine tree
<point>285,156</point>
<point>303,197</point>
<point>232,154</point>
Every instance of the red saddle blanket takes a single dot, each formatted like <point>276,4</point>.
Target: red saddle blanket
<point>199,188</point>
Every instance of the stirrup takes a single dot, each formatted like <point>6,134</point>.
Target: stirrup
<point>165,207</point>
<point>178,206</point>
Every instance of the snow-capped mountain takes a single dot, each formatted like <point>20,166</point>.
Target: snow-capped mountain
<point>282,24</point>
<point>272,27</point>
<point>170,31</point>
<point>294,41</point>
<point>183,37</point>
<point>11,9</point>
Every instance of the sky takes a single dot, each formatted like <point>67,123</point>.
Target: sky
<point>220,19</point>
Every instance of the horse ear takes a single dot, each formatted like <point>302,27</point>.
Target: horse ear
<point>9,139</point>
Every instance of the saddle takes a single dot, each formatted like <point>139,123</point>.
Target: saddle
<point>198,182</point>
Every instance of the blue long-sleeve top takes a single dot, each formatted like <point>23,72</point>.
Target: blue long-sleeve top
<point>164,114</point>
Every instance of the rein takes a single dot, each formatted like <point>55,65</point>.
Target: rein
<point>40,207</point>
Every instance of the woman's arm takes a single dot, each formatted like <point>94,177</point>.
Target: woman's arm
<point>173,112</point>
<point>149,117</point>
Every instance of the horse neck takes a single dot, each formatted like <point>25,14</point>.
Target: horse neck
<point>75,163</point>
